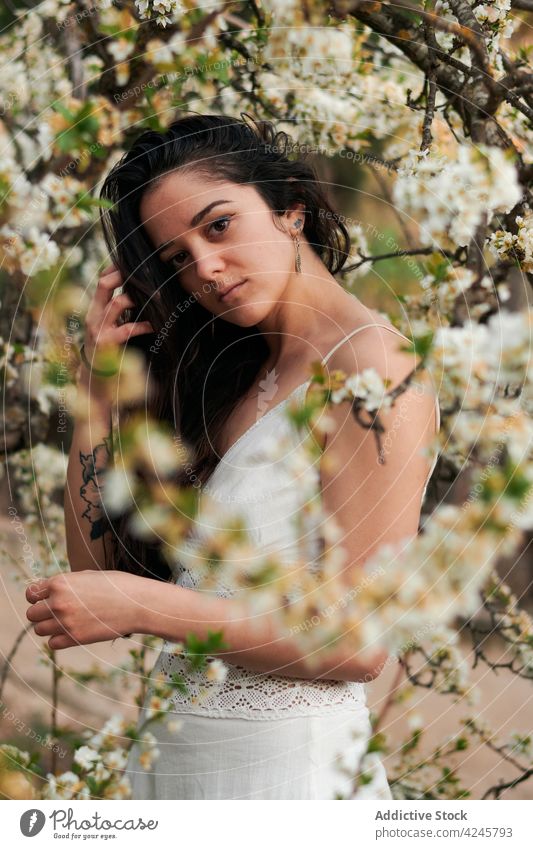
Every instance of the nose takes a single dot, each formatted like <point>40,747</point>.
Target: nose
<point>210,266</point>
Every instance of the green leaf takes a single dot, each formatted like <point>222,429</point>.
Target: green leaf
<point>196,649</point>
<point>179,682</point>
<point>377,742</point>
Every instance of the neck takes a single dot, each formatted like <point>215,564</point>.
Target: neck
<point>313,306</point>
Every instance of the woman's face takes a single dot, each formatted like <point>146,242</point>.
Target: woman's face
<point>216,234</point>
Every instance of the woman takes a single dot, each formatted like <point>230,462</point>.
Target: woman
<point>227,249</point>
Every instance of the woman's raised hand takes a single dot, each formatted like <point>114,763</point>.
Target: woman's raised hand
<point>101,323</point>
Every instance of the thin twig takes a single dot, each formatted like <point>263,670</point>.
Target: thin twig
<point>498,789</point>
<point>56,675</point>
<point>396,254</point>
<point>431,88</point>
<point>11,655</point>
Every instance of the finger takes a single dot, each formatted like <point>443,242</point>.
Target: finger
<point>107,320</point>
<point>38,611</point>
<point>48,627</point>
<point>115,307</point>
<point>37,590</point>
<point>120,334</point>
<point>106,286</point>
<point>62,641</point>
<point>133,328</point>
<point>109,270</point>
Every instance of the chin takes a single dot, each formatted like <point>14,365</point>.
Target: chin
<point>246,315</point>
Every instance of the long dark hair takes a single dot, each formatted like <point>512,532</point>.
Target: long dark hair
<point>222,360</point>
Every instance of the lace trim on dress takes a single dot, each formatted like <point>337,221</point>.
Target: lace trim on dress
<point>255,695</point>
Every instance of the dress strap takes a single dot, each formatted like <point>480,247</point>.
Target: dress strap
<point>353,332</point>
<point>393,330</point>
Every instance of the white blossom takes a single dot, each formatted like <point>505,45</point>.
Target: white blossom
<point>517,246</point>
<point>450,194</point>
<point>164,11</point>
<point>86,757</point>
<point>216,671</point>
<point>118,491</point>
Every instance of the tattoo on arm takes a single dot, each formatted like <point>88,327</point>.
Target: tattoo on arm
<point>94,464</point>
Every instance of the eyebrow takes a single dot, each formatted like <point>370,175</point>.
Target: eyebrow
<point>195,220</point>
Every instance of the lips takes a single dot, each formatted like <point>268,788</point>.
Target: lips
<point>227,295</point>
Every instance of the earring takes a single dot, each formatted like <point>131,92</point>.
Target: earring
<point>298,262</point>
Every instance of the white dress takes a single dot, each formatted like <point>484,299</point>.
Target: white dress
<point>257,735</point>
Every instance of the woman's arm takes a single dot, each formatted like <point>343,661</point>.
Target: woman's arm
<point>89,607</point>
<point>257,642</point>
<point>89,455</point>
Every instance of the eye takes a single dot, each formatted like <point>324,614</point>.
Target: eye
<point>174,258</point>
<point>225,219</point>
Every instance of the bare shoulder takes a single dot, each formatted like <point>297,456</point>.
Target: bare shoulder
<point>391,355</point>
<point>374,345</point>
<point>373,479</point>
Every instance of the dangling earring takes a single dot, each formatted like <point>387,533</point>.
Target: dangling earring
<point>298,261</point>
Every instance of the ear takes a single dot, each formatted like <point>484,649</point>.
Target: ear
<point>297,218</point>
<point>294,217</point>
